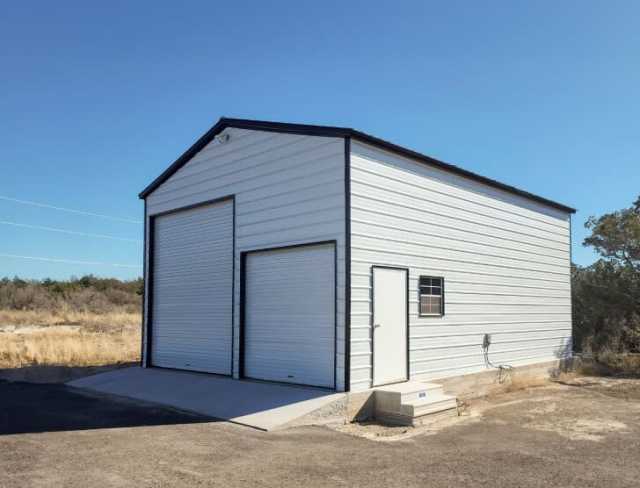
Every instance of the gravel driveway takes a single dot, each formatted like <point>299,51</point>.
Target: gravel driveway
<point>583,435</point>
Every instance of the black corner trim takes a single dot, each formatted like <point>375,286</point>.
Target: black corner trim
<point>347,264</point>
<point>243,295</point>
<point>233,282</point>
<point>573,350</point>
<point>329,131</point>
<point>143,331</point>
<point>149,329</point>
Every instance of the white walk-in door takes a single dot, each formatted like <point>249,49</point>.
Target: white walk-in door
<point>389,325</point>
<point>290,315</point>
<point>192,273</point>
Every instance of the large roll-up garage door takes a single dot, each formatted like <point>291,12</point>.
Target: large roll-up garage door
<point>289,321</point>
<point>192,273</point>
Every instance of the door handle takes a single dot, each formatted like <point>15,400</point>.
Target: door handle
<point>375,326</point>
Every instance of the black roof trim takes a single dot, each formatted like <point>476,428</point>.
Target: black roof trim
<point>328,131</point>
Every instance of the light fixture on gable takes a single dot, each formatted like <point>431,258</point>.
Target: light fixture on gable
<point>222,138</point>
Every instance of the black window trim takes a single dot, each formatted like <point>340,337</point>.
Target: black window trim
<point>441,314</point>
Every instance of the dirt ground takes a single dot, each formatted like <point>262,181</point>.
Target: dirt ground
<point>583,433</point>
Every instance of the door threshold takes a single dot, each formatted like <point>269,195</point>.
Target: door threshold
<point>395,382</point>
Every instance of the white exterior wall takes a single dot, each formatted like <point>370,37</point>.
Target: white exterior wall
<point>505,261</point>
<point>289,189</point>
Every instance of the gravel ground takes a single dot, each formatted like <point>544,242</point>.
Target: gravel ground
<point>583,433</point>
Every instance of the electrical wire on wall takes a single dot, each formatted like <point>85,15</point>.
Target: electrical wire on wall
<point>504,370</point>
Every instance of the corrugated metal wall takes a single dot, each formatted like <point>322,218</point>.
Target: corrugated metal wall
<point>505,261</point>
<point>289,189</point>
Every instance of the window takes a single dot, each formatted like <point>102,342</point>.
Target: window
<point>431,296</point>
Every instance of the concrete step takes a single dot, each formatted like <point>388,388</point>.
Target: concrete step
<point>435,417</point>
<point>408,391</point>
<point>427,390</point>
<point>400,419</point>
<point>412,402</point>
<point>430,405</point>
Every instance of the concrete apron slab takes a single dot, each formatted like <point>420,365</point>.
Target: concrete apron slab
<point>265,406</point>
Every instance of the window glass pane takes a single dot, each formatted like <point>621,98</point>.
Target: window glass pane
<point>430,295</point>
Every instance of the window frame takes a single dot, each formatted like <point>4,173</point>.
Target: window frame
<point>420,294</point>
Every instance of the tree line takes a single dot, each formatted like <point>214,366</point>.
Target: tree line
<point>85,294</point>
<point>606,294</point>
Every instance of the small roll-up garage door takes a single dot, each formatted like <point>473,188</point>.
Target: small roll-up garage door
<point>192,273</point>
<point>289,322</point>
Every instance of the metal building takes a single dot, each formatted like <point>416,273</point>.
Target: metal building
<point>324,256</point>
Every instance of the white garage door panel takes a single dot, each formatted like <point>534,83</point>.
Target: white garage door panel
<point>290,315</point>
<point>192,289</point>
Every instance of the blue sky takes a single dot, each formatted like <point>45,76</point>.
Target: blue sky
<point>96,99</point>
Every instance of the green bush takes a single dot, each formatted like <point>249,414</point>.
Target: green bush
<point>85,294</point>
<point>606,294</point>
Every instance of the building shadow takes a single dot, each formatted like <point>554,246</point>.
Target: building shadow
<point>565,356</point>
<point>56,373</point>
<point>49,407</point>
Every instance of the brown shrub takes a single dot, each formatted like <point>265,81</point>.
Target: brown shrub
<point>628,363</point>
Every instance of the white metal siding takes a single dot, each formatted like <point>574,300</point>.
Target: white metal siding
<point>505,260</point>
<point>290,315</point>
<point>192,283</point>
<point>289,190</point>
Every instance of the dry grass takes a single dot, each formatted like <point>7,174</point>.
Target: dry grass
<point>69,317</point>
<point>67,338</point>
<point>64,346</point>
<point>523,382</point>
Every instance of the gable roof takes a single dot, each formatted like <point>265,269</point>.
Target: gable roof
<point>329,131</point>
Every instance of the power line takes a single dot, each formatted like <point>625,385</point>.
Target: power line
<point>72,232</point>
<point>70,210</point>
<point>70,261</point>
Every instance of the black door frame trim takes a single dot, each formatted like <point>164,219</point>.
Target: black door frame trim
<point>243,292</point>
<point>150,248</point>
<point>373,362</point>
